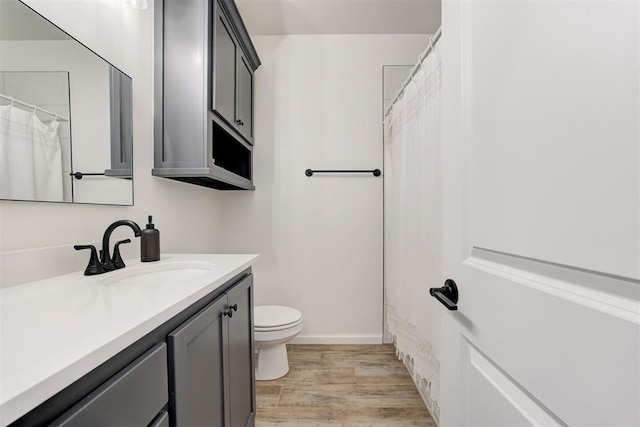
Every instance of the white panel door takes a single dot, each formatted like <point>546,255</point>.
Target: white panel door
<point>541,212</point>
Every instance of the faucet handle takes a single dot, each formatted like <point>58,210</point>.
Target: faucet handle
<point>117,258</point>
<point>94,266</point>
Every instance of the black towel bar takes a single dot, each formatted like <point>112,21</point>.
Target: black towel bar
<point>79,175</point>
<point>310,172</point>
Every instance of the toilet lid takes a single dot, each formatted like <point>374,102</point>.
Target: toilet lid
<point>275,316</point>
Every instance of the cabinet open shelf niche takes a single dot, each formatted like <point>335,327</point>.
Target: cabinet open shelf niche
<point>231,155</point>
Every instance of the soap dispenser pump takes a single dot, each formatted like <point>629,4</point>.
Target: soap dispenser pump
<point>150,243</point>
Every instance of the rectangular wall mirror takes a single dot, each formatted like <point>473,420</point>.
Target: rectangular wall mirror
<point>65,116</point>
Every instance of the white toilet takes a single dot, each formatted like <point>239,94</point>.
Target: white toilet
<point>275,326</point>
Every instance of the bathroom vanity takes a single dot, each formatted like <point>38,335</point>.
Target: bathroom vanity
<point>164,343</point>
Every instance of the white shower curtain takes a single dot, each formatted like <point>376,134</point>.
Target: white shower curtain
<point>412,226</point>
<point>30,157</point>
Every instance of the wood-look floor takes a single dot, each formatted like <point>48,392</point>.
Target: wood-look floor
<point>341,385</point>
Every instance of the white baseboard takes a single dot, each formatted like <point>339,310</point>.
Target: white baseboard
<point>337,339</point>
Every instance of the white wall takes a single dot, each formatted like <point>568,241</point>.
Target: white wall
<point>36,238</point>
<point>318,105</point>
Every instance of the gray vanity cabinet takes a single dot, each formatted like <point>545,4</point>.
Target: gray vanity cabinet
<point>195,369</point>
<point>204,64</point>
<point>211,363</point>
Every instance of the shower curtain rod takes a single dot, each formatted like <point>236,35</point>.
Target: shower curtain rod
<point>34,107</point>
<point>432,41</point>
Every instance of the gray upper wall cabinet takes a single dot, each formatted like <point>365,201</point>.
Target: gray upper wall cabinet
<point>204,64</point>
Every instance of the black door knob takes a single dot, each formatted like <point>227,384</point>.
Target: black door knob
<point>447,295</point>
<point>230,309</point>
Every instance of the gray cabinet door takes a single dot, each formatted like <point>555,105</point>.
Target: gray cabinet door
<point>241,359</point>
<point>225,49</point>
<point>197,359</point>
<point>245,98</point>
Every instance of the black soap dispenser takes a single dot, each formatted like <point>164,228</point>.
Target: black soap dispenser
<point>150,243</point>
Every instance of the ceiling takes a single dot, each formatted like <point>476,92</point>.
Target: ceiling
<point>273,17</point>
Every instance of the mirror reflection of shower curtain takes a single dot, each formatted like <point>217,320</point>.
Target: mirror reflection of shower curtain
<point>30,157</point>
<point>413,224</point>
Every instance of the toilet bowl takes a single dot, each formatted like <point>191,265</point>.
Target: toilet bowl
<point>275,326</point>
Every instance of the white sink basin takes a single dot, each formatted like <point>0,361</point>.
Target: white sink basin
<point>153,273</point>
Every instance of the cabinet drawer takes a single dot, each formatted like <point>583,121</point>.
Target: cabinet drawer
<point>133,397</point>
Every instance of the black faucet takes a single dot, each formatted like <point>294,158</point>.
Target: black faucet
<point>105,257</point>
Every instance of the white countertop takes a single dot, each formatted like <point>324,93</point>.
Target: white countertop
<point>54,331</point>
